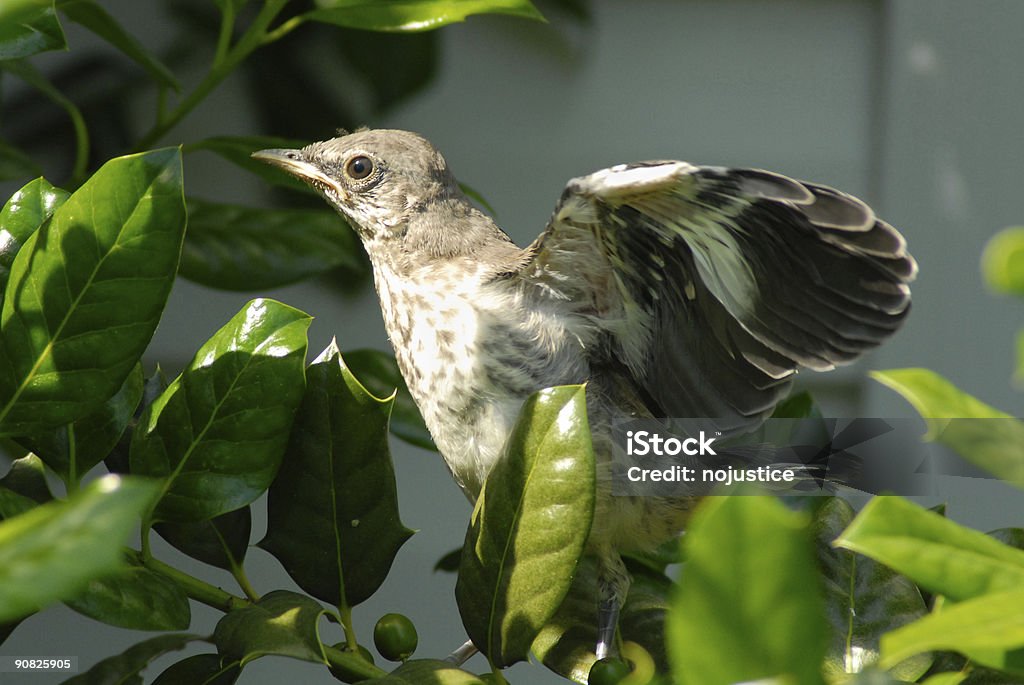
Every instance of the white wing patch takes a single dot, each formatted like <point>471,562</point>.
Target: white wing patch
<point>623,179</point>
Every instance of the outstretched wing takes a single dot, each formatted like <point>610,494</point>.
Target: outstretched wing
<point>713,285</point>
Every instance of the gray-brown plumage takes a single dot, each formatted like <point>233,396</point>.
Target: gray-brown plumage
<point>671,289</point>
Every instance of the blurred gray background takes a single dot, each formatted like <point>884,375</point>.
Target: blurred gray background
<point>914,105</point>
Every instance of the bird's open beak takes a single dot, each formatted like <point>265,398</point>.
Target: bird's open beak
<point>292,161</point>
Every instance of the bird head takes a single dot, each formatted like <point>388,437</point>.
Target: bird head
<point>379,180</point>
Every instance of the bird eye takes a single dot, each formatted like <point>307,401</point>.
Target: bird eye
<point>359,167</point>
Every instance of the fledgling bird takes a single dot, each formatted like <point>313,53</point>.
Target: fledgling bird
<point>672,290</point>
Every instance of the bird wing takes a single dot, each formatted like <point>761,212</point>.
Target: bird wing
<point>712,286</point>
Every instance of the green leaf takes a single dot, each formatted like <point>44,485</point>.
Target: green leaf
<point>93,17</point>
<point>13,503</point>
<point>221,541</point>
<point>1014,537</point>
<point>218,432</point>
<point>241,248</point>
<point>282,623</point>
<point>333,509</point>
<point>936,553</point>
<point>135,598</point>
<point>22,216</point>
<point>238,150</point>
<point>797,406</point>
<point>27,477</point>
<point>378,372</point>
<point>529,526</point>
<point>863,599</point>
<point>86,292</point>
<point>53,551</point>
<point>566,643</point>
<point>988,629</point>
<point>449,563</point>
<point>995,445</point>
<point>1002,262</point>
<point>413,15</point>
<point>124,668</point>
<point>200,669</point>
<point>15,164</point>
<point>28,27</point>
<point>71,451</point>
<point>748,605</point>
<point>427,672</point>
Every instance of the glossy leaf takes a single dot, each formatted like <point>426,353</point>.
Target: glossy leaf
<point>282,623</point>
<point>996,445</point>
<point>748,605</point>
<point>1002,262</point>
<point>378,372</point>
<point>23,214</point>
<point>566,643</point>
<point>86,292</point>
<point>92,16</point>
<point>28,27</point>
<point>989,629</point>
<point>333,509</point>
<point>939,555</point>
<point>529,526</point>
<point>71,451</point>
<point>221,541</point>
<point>135,598</point>
<point>200,669</point>
<point>27,477</point>
<point>413,15</point>
<point>427,672</point>
<point>238,150</point>
<point>218,432</point>
<point>53,551</point>
<point>863,599</point>
<point>15,164</point>
<point>124,668</point>
<point>242,248</point>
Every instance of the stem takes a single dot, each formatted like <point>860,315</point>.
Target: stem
<point>227,29</point>
<point>253,38</point>
<point>345,612</point>
<point>198,590</point>
<point>73,475</point>
<point>238,571</point>
<point>284,29</point>
<point>351,666</point>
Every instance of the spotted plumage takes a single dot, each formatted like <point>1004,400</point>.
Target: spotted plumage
<point>671,289</point>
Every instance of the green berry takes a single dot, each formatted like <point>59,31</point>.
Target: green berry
<point>395,637</point>
<point>608,671</point>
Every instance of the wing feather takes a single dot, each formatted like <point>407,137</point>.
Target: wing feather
<point>713,286</point>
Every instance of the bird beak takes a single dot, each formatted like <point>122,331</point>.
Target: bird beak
<point>293,162</point>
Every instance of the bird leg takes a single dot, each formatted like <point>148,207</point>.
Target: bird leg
<point>613,585</point>
<point>462,654</point>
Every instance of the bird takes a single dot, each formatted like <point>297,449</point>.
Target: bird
<point>670,289</point>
